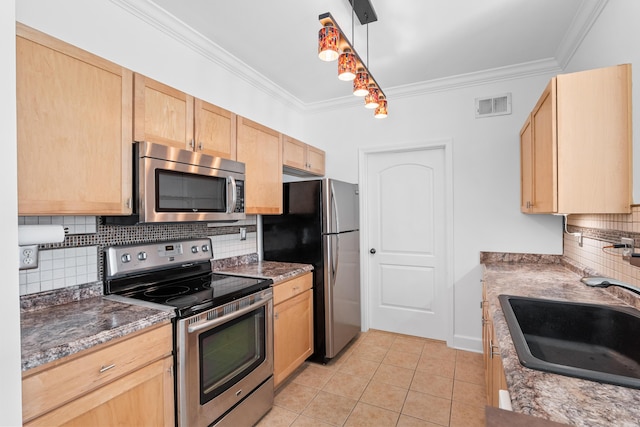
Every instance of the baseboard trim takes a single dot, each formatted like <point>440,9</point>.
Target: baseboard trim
<point>467,343</point>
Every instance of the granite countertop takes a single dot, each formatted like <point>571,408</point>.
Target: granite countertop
<point>555,397</point>
<point>56,324</point>
<point>277,271</point>
<point>53,332</point>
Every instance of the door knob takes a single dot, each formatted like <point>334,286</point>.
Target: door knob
<point>372,250</point>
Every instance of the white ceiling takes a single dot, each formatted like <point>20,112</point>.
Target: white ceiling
<point>415,46</point>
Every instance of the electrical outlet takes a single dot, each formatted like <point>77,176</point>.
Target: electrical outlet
<point>28,256</point>
<point>628,249</point>
<point>243,233</point>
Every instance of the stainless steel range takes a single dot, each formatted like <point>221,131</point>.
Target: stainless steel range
<point>223,328</point>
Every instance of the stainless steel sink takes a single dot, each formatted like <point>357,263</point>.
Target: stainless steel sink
<point>590,341</point>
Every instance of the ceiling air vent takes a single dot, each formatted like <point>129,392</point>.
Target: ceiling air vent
<point>495,106</point>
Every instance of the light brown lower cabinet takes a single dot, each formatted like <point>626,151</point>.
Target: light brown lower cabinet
<point>127,382</point>
<point>293,325</point>
<point>495,379</point>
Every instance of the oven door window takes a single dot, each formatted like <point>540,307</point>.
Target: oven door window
<point>230,352</point>
<point>180,192</point>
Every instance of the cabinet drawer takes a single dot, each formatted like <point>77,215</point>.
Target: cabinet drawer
<point>290,288</point>
<point>141,398</point>
<point>50,388</point>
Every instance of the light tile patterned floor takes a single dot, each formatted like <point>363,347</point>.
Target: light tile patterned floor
<point>385,379</point>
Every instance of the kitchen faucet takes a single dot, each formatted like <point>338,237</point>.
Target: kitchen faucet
<point>605,282</point>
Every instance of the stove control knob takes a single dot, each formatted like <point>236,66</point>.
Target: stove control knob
<point>194,249</point>
<point>205,248</point>
<point>125,258</point>
<point>142,256</point>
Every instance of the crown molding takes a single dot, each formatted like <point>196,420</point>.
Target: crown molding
<point>163,21</point>
<point>509,72</point>
<point>547,66</point>
<point>580,26</point>
<point>157,17</point>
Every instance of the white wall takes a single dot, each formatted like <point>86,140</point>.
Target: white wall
<point>486,162</point>
<point>486,151</point>
<point>614,40</point>
<point>486,156</point>
<point>486,175</point>
<point>10,374</point>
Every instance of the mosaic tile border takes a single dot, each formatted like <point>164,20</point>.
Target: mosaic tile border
<point>604,235</point>
<point>110,235</point>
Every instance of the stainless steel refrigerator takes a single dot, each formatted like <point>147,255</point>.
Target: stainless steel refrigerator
<point>320,226</point>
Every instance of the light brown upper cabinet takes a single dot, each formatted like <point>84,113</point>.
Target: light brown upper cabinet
<point>576,145</point>
<point>538,156</point>
<point>301,159</point>
<point>260,149</point>
<point>165,115</point>
<point>74,126</point>
<point>215,130</point>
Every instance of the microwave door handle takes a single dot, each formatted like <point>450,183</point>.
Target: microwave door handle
<point>234,195</point>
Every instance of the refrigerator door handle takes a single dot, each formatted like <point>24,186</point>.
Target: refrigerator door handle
<point>335,260</point>
<point>334,208</point>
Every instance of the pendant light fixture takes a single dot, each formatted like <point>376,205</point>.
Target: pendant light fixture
<point>361,83</point>
<point>328,39</point>
<point>347,65</point>
<point>335,45</point>
<point>381,111</point>
<point>371,99</point>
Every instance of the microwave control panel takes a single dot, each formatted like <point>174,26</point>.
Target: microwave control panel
<point>239,207</point>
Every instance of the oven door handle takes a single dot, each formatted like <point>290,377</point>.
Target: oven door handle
<point>264,300</point>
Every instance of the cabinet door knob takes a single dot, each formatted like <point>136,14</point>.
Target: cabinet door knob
<point>372,250</point>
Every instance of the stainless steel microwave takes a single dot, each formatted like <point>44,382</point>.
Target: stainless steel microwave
<point>176,185</point>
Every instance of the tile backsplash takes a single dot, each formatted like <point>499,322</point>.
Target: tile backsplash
<point>78,260</point>
<point>230,245</point>
<point>599,233</point>
<point>60,268</point>
<point>71,224</point>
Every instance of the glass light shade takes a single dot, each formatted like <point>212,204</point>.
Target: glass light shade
<point>328,38</point>
<point>381,111</point>
<point>347,65</point>
<point>361,83</point>
<point>371,99</point>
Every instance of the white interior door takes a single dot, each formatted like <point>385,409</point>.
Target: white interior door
<point>406,204</point>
